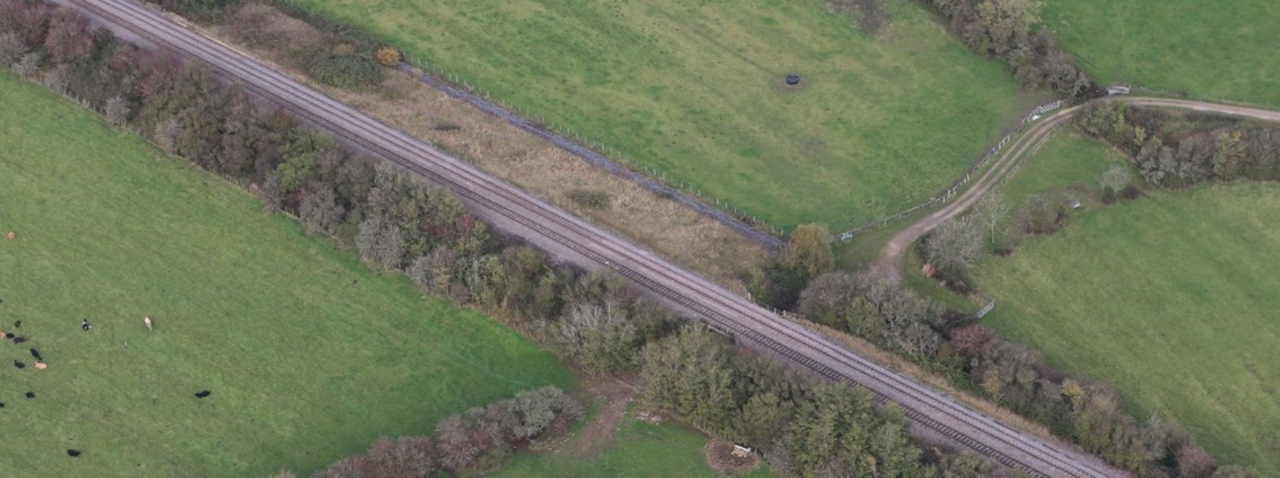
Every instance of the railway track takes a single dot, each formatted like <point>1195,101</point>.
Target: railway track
<point>725,311</point>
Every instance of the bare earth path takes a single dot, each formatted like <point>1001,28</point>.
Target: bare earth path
<point>887,265</point>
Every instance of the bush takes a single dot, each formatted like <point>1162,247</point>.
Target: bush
<point>348,70</point>
<point>598,200</point>
<point>388,56</point>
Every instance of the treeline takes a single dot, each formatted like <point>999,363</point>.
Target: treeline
<point>1011,31</point>
<point>802,427</point>
<point>1174,149</point>
<point>481,438</point>
<point>1088,413</point>
<point>390,217</point>
<point>396,221</point>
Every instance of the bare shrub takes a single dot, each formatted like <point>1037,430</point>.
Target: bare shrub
<point>58,78</point>
<point>320,211</point>
<point>955,244</point>
<point>388,56</point>
<point>380,241</point>
<point>29,65</point>
<point>1116,178</point>
<point>11,48</point>
<point>535,410</point>
<point>116,111</point>
<point>166,135</point>
<point>1194,462</point>
<point>68,39</point>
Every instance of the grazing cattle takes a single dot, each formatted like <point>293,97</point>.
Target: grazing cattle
<point>41,365</point>
<point>203,393</point>
<point>31,394</point>
<point>35,353</point>
<point>73,452</point>
<point>8,335</point>
<point>1,404</point>
<point>17,324</point>
<point>147,322</point>
<point>18,340</point>
<point>19,364</point>
<point>85,325</point>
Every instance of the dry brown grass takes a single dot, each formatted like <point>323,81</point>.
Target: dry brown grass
<point>906,367</point>
<point>689,238</point>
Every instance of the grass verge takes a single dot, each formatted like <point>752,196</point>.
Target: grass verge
<point>528,161</point>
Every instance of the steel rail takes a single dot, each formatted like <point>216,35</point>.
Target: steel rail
<point>716,296</point>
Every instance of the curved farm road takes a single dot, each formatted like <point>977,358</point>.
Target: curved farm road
<point>887,265</point>
<point>574,240</point>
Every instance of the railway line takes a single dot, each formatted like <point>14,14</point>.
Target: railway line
<point>749,323</point>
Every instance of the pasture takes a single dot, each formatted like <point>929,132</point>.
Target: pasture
<point>309,354</point>
<point>1209,50</point>
<point>1171,298</point>
<point>694,91</point>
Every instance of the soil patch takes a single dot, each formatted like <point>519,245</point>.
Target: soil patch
<point>720,457</point>
<point>599,434</point>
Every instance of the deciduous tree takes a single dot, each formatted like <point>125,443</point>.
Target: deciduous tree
<point>809,250</point>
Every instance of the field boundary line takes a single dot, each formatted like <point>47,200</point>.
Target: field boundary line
<point>768,239</point>
<point>950,192</point>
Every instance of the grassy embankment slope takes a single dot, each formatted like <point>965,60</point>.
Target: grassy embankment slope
<point>308,353</point>
<point>1209,50</point>
<point>1170,298</point>
<point>695,91</point>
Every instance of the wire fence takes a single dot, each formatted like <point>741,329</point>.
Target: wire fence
<point>947,194</point>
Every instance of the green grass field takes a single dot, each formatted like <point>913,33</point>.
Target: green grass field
<point>1172,299</point>
<point>1210,50</point>
<point>309,354</point>
<point>695,90</point>
<point>640,449</point>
